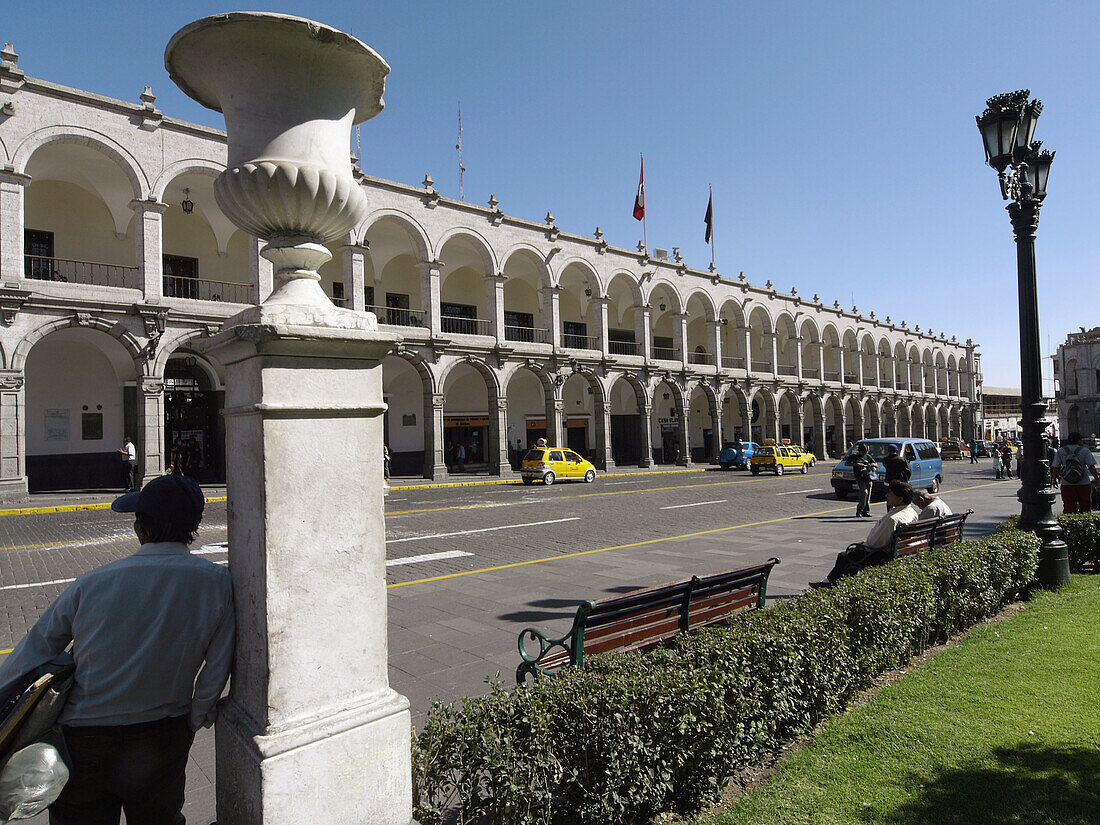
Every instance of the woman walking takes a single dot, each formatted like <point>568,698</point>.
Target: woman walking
<point>997,462</point>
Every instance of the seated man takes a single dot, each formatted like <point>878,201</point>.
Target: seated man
<point>875,550</point>
<point>932,507</point>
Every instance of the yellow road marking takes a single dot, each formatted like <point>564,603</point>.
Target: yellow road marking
<point>649,541</point>
<point>72,508</point>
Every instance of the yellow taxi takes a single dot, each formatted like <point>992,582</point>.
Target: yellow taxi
<point>550,464</point>
<point>779,457</point>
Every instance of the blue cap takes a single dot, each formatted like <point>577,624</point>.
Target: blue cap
<point>173,498</point>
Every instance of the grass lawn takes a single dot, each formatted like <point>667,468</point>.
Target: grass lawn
<point>1002,728</point>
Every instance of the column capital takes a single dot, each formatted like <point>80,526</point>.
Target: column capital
<point>151,385</point>
<point>9,175</point>
<point>434,266</point>
<point>11,380</point>
<point>438,400</point>
<point>496,276</point>
<point>147,206</point>
<point>360,248</point>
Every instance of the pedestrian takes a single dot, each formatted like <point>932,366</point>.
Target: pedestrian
<point>896,467</point>
<point>1019,460</point>
<point>460,457</point>
<point>864,467</point>
<point>1074,469</point>
<point>1006,459</point>
<point>973,453</point>
<point>448,455</point>
<point>177,457</point>
<point>997,461</point>
<point>930,506</point>
<point>386,461</point>
<point>875,550</point>
<point>129,465</point>
<point>153,638</point>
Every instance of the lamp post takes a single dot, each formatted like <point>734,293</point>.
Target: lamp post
<point>1007,126</point>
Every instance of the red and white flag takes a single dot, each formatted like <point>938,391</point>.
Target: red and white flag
<point>639,199</point>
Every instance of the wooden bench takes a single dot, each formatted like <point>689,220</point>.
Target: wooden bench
<point>923,535</point>
<point>645,618</point>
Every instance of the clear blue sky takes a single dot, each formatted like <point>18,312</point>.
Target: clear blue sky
<point>839,136</point>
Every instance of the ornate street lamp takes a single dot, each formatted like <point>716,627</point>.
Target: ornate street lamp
<point>1007,126</point>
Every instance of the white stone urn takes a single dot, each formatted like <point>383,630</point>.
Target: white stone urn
<point>290,90</point>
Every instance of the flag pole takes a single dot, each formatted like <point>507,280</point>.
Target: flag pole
<point>712,266</point>
<point>645,234</point>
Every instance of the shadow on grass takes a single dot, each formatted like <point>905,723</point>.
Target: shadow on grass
<point>1027,785</point>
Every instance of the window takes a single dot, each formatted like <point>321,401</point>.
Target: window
<point>38,250</point>
<point>555,455</point>
<point>576,334</point>
<point>909,454</point>
<point>622,342</point>
<point>519,326</point>
<point>338,292</point>
<point>180,276</point>
<point>459,318</point>
<point>397,309</point>
<point>368,296</point>
<point>927,450</point>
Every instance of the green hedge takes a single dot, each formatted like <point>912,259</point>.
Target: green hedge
<point>633,734</point>
<point>1081,533</point>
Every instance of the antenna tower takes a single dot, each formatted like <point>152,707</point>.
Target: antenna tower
<point>461,168</point>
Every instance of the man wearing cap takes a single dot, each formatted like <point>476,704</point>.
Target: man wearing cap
<point>153,638</point>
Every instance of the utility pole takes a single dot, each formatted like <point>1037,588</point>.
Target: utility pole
<point>461,168</point>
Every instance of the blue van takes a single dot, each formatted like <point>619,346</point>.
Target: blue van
<point>922,455</point>
<point>737,455</point>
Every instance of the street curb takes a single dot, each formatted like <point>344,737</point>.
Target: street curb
<point>438,484</point>
<point>72,508</point>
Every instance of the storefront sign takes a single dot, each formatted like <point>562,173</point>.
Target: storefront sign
<point>466,421</point>
<point>57,425</point>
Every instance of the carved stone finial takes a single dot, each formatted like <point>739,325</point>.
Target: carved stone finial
<point>817,298</point>
<point>641,246</point>
<point>794,290</point>
<point>836,304</point>
<point>872,315</point>
<point>8,55</point>
<point>888,319</point>
<point>768,285</point>
<point>550,218</point>
<point>147,96</point>
<point>493,201</point>
<point>598,234</point>
<point>676,256</point>
<point>428,182</point>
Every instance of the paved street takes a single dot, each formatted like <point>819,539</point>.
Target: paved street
<point>469,567</point>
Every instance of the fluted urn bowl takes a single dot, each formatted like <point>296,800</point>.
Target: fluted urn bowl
<point>290,90</point>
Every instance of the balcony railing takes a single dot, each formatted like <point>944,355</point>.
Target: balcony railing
<point>466,326</point>
<point>624,348</point>
<point>41,268</point>
<point>761,366</point>
<point>832,376</point>
<point>664,354</point>
<point>398,316</point>
<point>570,341</point>
<point>701,358</point>
<point>811,373</point>
<point>788,369</point>
<point>733,362</point>
<point>527,335</point>
<point>198,289</point>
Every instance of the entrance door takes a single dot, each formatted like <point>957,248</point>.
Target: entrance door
<point>626,439</point>
<point>193,434</point>
<point>576,437</point>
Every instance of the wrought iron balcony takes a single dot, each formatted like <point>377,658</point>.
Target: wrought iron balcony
<point>570,341</point>
<point>64,270</point>
<point>398,316</point>
<point>701,358</point>
<point>665,354</point>
<point>199,289</point>
<point>466,326</point>
<point>624,348</point>
<point>527,335</point>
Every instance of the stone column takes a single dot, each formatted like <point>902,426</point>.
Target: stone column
<point>310,706</point>
<point>430,276</point>
<point>797,344</point>
<point>819,360</point>
<point>715,407</point>
<point>746,337</point>
<point>551,303</point>
<point>261,270</point>
<point>714,332</point>
<point>601,325</point>
<point>435,462</point>
<point>150,436</point>
<point>773,348</point>
<point>13,442</point>
<point>603,458</point>
<point>819,434</point>
<point>494,293</point>
<point>149,246</point>
<point>644,414</point>
<point>497,447</point>
<point>555,407</point>
<point>682,342</point>
<point>841,353</point>
<point>859,367</point>
<point>683,432</point>
<point>353,260</point>
<point>645,334</point>
<point>12,224</point>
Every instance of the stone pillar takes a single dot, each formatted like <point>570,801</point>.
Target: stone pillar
<point>714,333</point>
<point>603,457</point>
<point>859,367</point>
<point>715,407</point>
<point>12,224</point>
<point>551,303</point>
<point>645,335</point>
<point>13,442</point>
<point>430,276</point>
<point>841,352</point>
<point>494,293</point>
<point>435,462</point>
<point>682,342</point>
<point>797,344</point>
<point>353,259</point>
<point>149,246</point>
<point>602,325</point>
<point>645,411</point>
<point>819,360</point>
<point>555,407</point>
<point>260,269</point>
<point>150,435</point>
<point>746,338</point>
<point>311,731</point>
<point>773,349</point>
<point>497,447</point>
<point>819,434</point>
<point>683,432</point>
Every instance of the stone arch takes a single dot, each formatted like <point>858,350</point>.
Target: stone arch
<point>410,225</point>
<point>477,242</point>
<point>889,419</point>
<point>789,410</point>
<point>530,417</point>
<point>115,330</point>
<point>668,290</point>
<point>734,405</point>
<point>668,427</point>
<point>628,410</point>
<point>702,448</point>
<point>710,312</point>
<point>530,253</point>
<point>196,166</point>
<point>853,420</point>
<point>764,413</point>
<point>487,372</point>
<point>82,136</point>
<point>585,268</point>
<point>4,150</point>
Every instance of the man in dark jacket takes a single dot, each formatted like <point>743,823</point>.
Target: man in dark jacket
<point>897,468</point>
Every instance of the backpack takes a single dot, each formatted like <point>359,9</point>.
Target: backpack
<point>1073,468</point>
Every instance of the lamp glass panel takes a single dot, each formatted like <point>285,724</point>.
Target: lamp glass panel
<point>1038,174</point>
<point>1008,134</point>
<point>1026,130</point>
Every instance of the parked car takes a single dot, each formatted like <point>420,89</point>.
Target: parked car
<point>811,458</point>
<point>983,449</point>
<point>954,448</point>
<point>549,464</point>
<point>922,455</point>
<point>737,455</point>
<point>777,458</point>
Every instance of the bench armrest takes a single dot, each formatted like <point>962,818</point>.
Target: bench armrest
<point>546,644</point>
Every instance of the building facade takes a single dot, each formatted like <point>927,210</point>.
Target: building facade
<point>1077,382</point>
<point>116,264</point>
